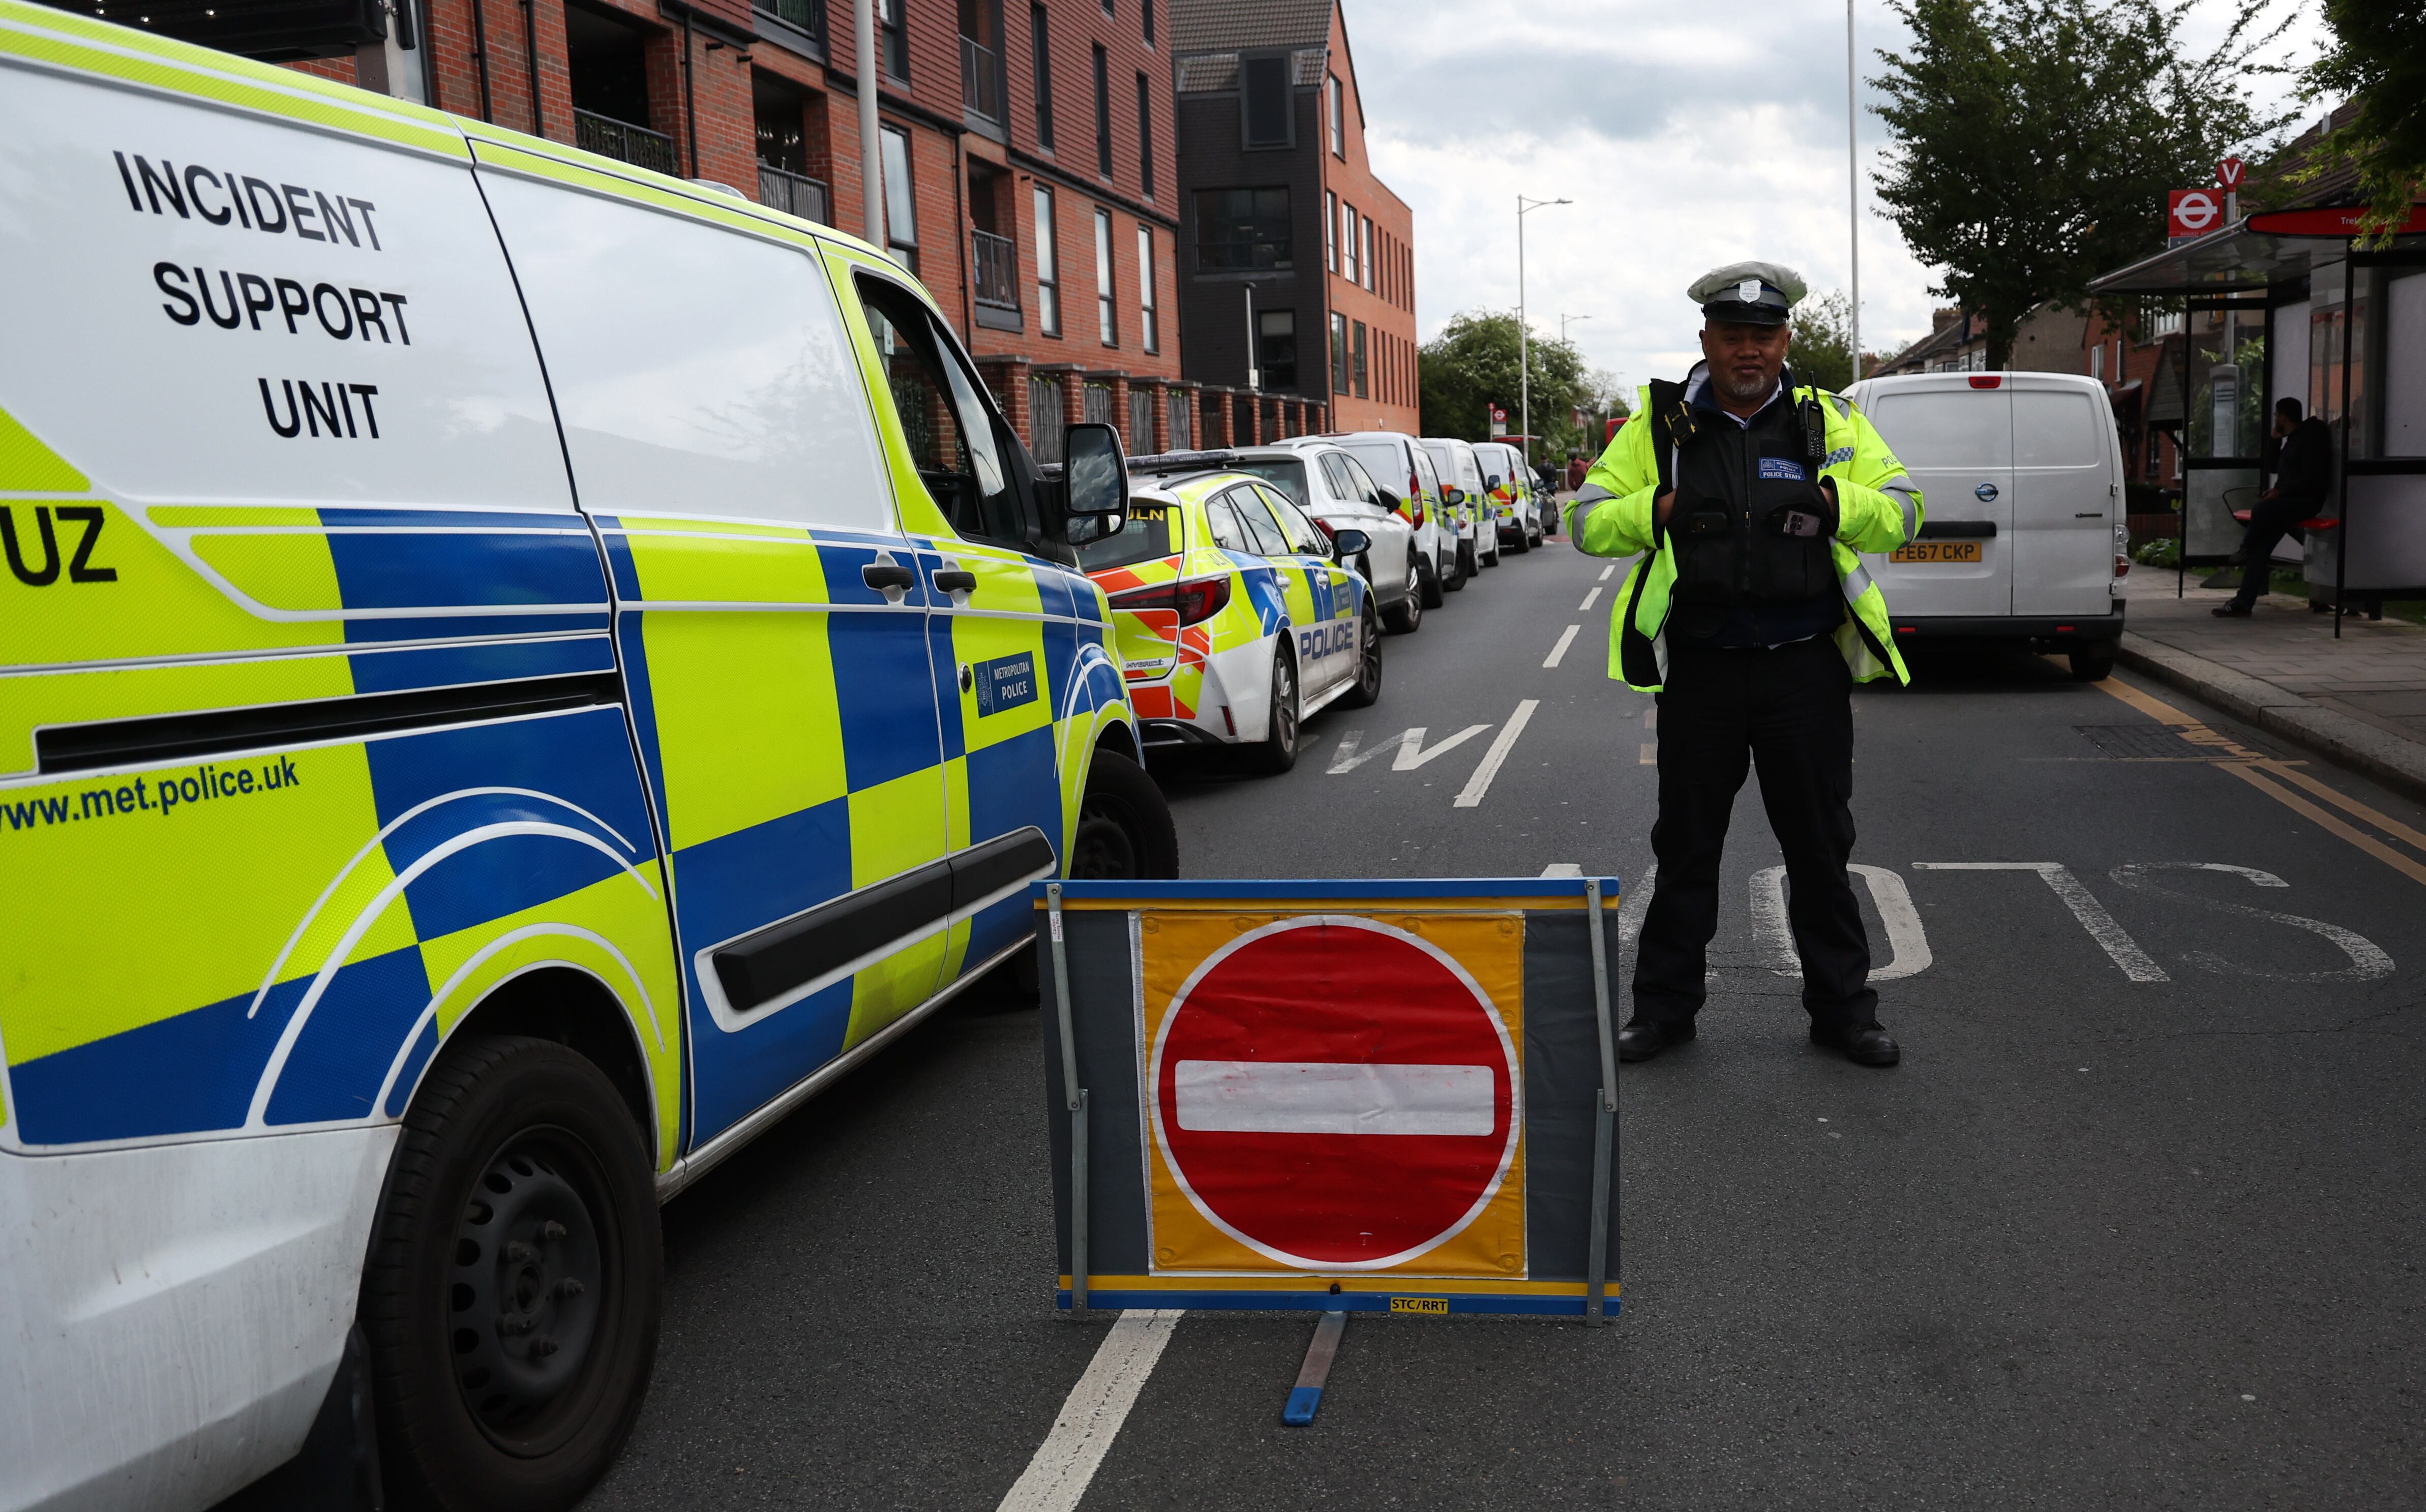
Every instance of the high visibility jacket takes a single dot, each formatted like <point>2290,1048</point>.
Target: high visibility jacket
<point>1878,509</point>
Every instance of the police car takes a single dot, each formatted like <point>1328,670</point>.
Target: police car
<point>1235,618</point>
<point>490,721</point>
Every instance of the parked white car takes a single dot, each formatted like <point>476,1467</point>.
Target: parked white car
<point>1389,456</point>
<point>2022,475</point>
<point>1337,493</point>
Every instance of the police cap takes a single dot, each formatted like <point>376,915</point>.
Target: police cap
<point>1748,293</point>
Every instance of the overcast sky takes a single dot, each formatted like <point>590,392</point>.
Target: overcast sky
<point>1689,136</point>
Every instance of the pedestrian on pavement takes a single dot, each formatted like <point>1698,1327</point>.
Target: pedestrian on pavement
<point>2303,473</point>
<point>1750,496</point>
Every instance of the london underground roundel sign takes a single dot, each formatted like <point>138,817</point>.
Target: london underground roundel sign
<point>1329,1127</point>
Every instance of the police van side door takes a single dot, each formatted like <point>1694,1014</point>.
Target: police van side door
<point>1956,438</point>
<point>768,616</point>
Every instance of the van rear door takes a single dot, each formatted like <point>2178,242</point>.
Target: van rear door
<point>1956,440</point>
<point>2064,496</point>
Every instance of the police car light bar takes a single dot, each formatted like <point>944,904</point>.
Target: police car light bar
<point>1166,463</point>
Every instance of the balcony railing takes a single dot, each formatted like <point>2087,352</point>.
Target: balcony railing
<point>794,194</point>
<point>636,145</point>
<point>997,261</point>
<point>808,15</point>
<point>980,79</point>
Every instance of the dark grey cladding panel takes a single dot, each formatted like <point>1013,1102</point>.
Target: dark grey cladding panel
<point>1103,991</point>
<point>1561,1079</point>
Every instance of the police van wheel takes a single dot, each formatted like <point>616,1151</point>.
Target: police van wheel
<point>1431,597</point>
<point>1125,830</point>
<point>1367,685</point>
<point>1522,542</point>
<point>510,1296</point>
<point>1406,617</point>
<point>1459,568</point>
<point>2092,661</point>
<point>1277,752</point>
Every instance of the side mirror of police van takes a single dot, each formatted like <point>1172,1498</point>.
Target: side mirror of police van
<point>1392,499</point>
<point>1350,542</point>
<point>1453,495</point>
<point>1491,481</point>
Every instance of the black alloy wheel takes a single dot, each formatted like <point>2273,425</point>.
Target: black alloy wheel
<point>1277,752</point>
<point>1124,830</point>
<point>1367,686</point>
<point>1406,617</point>
<point>511,1295</point>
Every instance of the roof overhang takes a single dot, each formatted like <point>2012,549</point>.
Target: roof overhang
<point>2235,260</point>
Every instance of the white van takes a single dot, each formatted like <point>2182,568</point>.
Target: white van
<point>2025,536</point>
<point>1462,470</point>
<point>500,709</point>
<point>1386,455</point>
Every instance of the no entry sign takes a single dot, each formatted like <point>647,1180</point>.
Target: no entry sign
<point>1337,1092</point>
<point>1355,1095</point>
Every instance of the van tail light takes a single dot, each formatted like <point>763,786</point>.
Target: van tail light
<point>1987,381</point>
<point>1195,600</point>
<point>2122,565</point>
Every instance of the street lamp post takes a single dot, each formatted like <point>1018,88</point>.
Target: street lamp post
<point>1853,194</point>
<point>1562,325</point>
<point>1523,350</point>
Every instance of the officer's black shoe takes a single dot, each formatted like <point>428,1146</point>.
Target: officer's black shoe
<point>1644,1038</point>
<point>1864,1044</point>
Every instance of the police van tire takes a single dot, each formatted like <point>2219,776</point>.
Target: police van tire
<point>1363,693</point>
<point>1429,577</point>
<point>1521,543</point>
<point>1406,617</point>
<point>2092,661</point>
<point>1277,752</point>
<point>1125,830</point>
<point>520,1211</point>
<point>1459,568</point>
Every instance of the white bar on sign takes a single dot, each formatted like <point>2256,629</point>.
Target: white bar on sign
<point>1326,1097</point>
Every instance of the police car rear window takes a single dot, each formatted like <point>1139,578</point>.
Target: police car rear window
<point>1287,476</point>
<point>1146,537</point>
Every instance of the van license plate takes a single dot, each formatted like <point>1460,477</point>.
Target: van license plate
<point>1937,551</point>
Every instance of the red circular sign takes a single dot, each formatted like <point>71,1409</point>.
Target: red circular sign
<point>1335,1093</point>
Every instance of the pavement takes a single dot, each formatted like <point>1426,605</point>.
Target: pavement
<point>2134,1225</point>
<point>2359,699</point>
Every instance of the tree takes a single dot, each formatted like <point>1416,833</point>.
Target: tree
<point>1821,351</point>
<point>2035,139</point>
<point>1473,363</point>
<point>2378,56</point>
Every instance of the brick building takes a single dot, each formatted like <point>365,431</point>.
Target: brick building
<point>1029,156</point>
<point>1285,229</point>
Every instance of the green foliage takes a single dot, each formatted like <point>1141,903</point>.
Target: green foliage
<point>2035,139</point>
<point>1474,362</point>
<point>2377,55</point>
<point>1821,350</point>
<point>2165,550</point>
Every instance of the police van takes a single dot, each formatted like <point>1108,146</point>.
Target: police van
<point>515,671</point>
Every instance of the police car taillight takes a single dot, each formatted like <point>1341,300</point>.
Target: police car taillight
<point>1194,600</point>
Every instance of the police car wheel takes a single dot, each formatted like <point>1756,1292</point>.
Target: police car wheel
<point>1367,685</point>
<point>1125,830</point>
<point>1277,752</point>
<point>1406,617</point>
<point>511,1295</point>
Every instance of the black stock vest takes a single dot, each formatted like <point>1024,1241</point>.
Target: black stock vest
<point>1751,524</point>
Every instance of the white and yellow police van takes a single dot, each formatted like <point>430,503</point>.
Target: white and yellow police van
<point>514,673</point>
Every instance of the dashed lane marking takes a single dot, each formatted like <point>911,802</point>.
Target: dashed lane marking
<point>1479,783</point>
<point>2136,963</point>
<point>1564,641</point>
<point>1590,599</point>
<point>1564,869</point>
<point>1091,1415</point>
<point>1606,570</point>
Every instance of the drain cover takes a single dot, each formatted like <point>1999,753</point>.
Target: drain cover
<point>2143,742</point>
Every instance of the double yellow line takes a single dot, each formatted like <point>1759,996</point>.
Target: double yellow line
<point>2262,772</point>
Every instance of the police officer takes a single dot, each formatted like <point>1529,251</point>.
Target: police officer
<point>1750,495</point>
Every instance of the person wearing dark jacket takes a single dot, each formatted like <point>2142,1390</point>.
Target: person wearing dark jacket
<point>2304,475</point>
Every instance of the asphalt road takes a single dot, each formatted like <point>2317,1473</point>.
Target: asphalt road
<point>2136,1224</point>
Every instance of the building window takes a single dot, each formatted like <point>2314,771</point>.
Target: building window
<point>1149,334</point>
<point>1179,411</point>
<point>1048,271</point>
<point>1347,241</point>
<point>2097,360</point>
<point>1103,112</point>
<point>1365,249</point>
<point>1241,228</point>
<point>1107,329</point>
<point>1339,353</point>
<point>1039,36</point>
<point>1145,137</point>
<point>1145,15</point>
<point>1331,99</point>
<point>1264,99</point>
<point>1357,361</point>
<point>896,37</point>
<point>900,205</point>
<point>1276,348</point>
<point>1141,441</point>
<point>1330,232</point>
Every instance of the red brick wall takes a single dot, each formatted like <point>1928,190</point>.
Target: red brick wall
<point>1388,309</point>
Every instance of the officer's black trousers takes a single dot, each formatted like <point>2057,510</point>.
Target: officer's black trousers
<point>1790,712</point>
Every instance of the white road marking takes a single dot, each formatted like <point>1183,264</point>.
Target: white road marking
<point>1907,942</point>
<point>1590,599</point>
<point>2367,960</point>
<point>1560,648</point>
<point>1562,869</point>
<point>1479,783</point>
<point>1411,748</point>
<point>1650,756</point>
<point>2112,937</point>
<point>1629,913</point>
<point>1333,1098</point>
<point>1091,1415</point>
<point>1606,571</point>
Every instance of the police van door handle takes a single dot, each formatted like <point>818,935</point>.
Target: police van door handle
<point>956,580</point>
<point>883,575</point>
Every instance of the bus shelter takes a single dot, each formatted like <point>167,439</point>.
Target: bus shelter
<point>2289,303</point>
